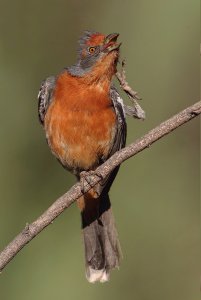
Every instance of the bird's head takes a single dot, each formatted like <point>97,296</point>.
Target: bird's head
<point>97,53</point>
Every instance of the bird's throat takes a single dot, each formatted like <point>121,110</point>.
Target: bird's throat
<point>102,72</point>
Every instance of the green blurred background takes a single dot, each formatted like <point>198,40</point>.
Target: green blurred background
<point>156,194</point>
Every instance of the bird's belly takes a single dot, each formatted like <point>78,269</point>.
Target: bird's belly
<point>81,139</point>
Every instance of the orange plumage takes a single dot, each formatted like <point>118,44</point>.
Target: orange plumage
<point>80,123</point>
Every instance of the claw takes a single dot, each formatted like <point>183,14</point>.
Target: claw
<point>86,177</point>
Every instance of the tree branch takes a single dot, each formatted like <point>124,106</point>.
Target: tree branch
<point>33,229</point>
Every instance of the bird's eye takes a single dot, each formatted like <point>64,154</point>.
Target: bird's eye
<point>92,50</point>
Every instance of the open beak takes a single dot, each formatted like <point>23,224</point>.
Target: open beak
<point>110,42</point>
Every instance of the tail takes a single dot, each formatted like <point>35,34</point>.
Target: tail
<point>102,248</point>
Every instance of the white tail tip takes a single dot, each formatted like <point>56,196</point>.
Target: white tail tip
<point>97,275</point>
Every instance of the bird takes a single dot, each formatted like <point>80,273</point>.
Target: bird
<point>84,120</point>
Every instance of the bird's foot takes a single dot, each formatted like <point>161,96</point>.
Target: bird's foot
<point>86,178</point>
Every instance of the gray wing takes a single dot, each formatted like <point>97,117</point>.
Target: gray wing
<point>121,132</point>
<point>119,140</point>
<point>45,96</point>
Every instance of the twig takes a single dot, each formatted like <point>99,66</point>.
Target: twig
<point>33,229</point>
<point>136,111</point>
<point>121,76</point>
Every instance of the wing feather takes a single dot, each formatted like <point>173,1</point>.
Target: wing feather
<point>45,96</point>
<point>121,130</point>
<point>119,139</point>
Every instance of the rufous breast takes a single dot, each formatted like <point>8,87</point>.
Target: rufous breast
<point>80,123</point>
